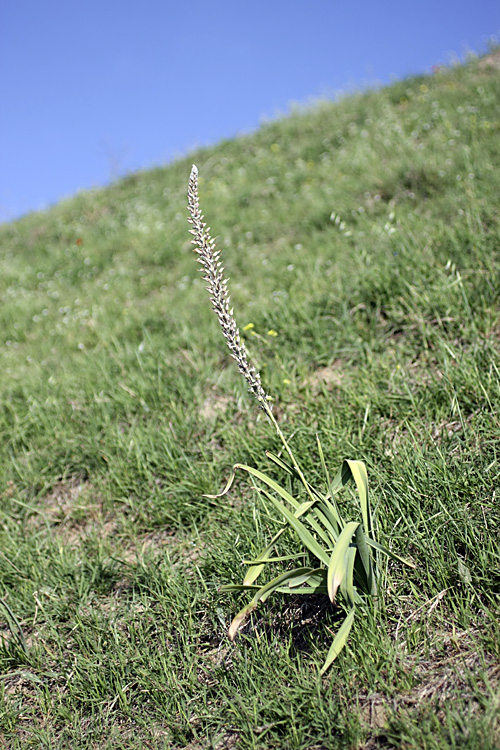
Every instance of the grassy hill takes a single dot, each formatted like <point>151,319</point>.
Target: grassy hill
<point>362,243</point>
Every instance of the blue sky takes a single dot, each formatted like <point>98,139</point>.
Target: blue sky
<point>93,90</point>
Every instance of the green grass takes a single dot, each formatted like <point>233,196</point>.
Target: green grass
<point>365,233</point>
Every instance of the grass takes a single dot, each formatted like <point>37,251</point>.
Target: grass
<point>365,234</point>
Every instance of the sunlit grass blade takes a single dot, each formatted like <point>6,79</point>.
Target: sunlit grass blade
<point>14,626</point>
<point>339,641</point>
<point>337,565</point>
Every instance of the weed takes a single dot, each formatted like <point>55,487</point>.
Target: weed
<point>344,551</point>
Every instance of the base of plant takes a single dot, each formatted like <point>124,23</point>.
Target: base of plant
<point>346,551</point>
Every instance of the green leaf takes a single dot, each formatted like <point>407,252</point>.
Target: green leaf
<point>303,532</point>
<point>285,578</point>
<point>258,566</point>
<point>315,583</point>
<point>292,470</point>
<point>262,594</point>
<point>366,563</point>
<point>339,641</point>
<point>347,583</point>
<point>227,487</point>
<point>344,475</point>
<point>270,483</point>
<point>281,463</point>
<point>264,560</point>
<point>324,514</point>
<point>301,510</point>
<point>299,580</point>
<point>338,564</point>
<point>240,618</point>
<point>332,505</point>
<point>308,590</point>
<point>381,548</point>
<point>358,471</point>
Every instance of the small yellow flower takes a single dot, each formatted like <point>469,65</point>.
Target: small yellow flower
<point>248,327</point>
<point>272,332</point>
<point>286,381</point>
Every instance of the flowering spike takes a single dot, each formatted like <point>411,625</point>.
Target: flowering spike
<point>208,256</point>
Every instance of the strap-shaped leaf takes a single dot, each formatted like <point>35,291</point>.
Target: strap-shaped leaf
<point>343,476</point>
<point>339,641</point>
<point>285,578</point>
<point>337,565</point>
<point>315,575</point>
<point>314,585</point>
<point>365,562</point>
<point>228,485</point>
<point>311,491</point>
<point>317,588</point>
<point>331,504</point>
<point>303,532</point>
<point>281,463</point>
<point>263,477</point>
<point>324,536</point>
<point>325,516</point>
<point>261,595</point>
<point>347,587</point>
<point>240,618</point>
<point>388,552</point>
<point>358,471</point>
<point>258,565</point>
<point>304,507</point>
<point>261,560</point>
<point>271,483</point>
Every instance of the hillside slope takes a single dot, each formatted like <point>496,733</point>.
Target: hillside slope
<point>362,243</point>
